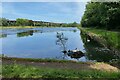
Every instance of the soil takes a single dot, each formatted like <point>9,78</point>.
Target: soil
<point>64,65</point>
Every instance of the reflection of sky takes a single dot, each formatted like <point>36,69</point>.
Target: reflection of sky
<point>74,41</point>
<point>83,59</point>
<point>41,45</point>
<point>45,29</point>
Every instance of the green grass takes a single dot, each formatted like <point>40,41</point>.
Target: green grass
<point>20,71</point>
<point>112,37</point>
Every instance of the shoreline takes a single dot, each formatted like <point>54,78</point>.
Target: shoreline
<point>59,63</point>
<point>15,27</point>
<point>19,68</point>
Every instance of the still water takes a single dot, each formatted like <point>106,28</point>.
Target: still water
<point>46,43</point>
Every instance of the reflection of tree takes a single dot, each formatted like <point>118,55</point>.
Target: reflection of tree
<point>75,30</point>
<point>3,35</point>
<point>61,40</point>
<point>76,55</point>
<point>27,33</point>
<point>95,51</point>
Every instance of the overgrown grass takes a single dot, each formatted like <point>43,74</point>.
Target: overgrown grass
<point>20,71</point>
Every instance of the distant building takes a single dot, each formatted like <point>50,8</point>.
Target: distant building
<point>11,22</point>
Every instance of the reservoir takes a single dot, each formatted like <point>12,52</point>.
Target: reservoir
<point>46,43</point>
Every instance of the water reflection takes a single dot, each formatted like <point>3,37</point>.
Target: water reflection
<point>26,33</point>
<point>75,54</point>
<point>61,41</point>
<point>45,41</point>
<point>3,35</point>
<point>22,34</point>
<point>95,51</point>
<point>41,42</point>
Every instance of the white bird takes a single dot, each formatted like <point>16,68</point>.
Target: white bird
<point>88,40</point>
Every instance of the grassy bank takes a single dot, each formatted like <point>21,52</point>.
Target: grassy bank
<point>15,27</point>
<point>20,71</point>
<point>110,38</point>
<point>38,60</point>
<point>51,68</point>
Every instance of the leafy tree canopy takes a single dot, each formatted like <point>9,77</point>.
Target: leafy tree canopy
<point>102,15</point>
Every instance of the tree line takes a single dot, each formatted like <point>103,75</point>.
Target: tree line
<point>102,15</point>
<point>26,22</point>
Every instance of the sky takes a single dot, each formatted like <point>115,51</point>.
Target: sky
<point>60,12</point>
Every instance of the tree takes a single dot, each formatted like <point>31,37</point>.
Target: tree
<point>3,22</point>
<point>74,24</point>
<point>30,23</point>
<point>22,22</point>
<point>102,15</point>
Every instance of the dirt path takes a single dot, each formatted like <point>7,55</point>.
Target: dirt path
<point>64,65</point>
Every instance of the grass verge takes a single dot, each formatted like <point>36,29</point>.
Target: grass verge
<point>112,37</point>
<point>41,60</point>
<point>20,71</point>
